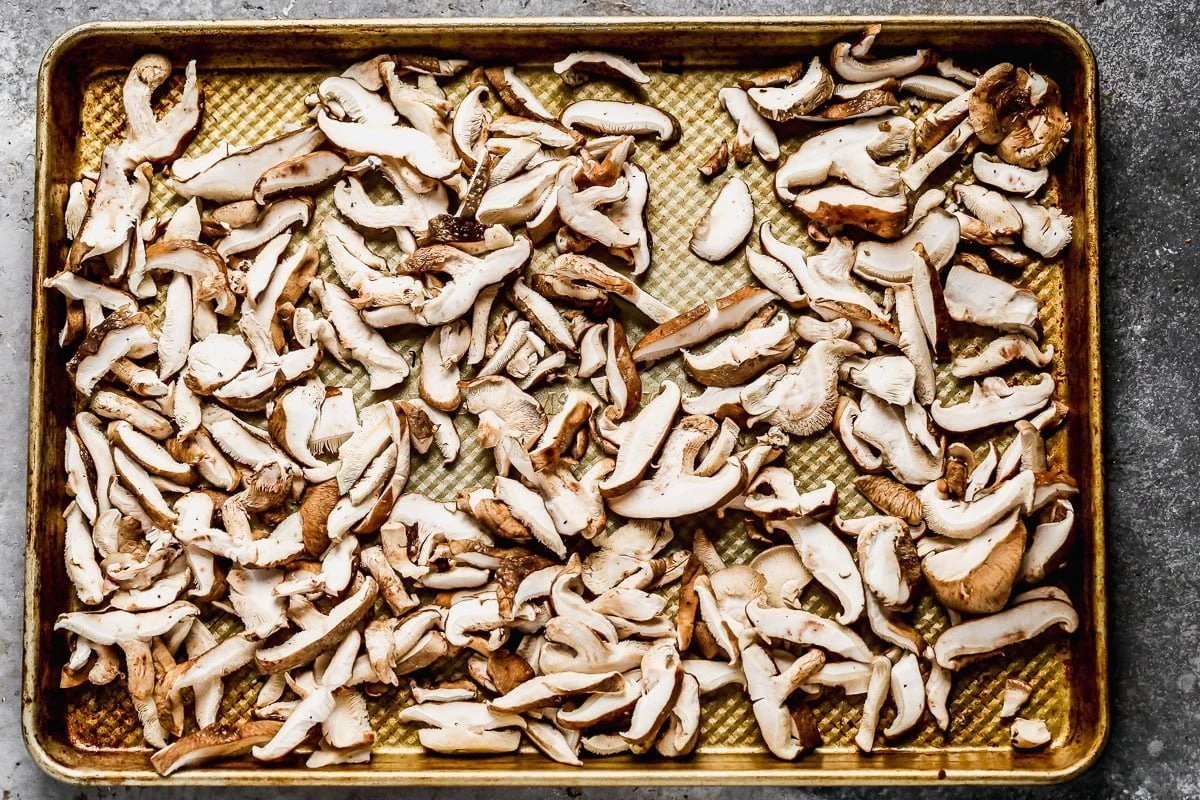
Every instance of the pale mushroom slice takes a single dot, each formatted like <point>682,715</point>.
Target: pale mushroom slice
<point>579,67</point>
<point>348,99</point>
<point>124,333</point>
<point>579,211</point>
<point>865,458</point>
<point>742,356</point>
<point>775,275</point>
<point>640,440</point>
<point>829,561</point>
<point>932,87</point>
<point>675,490</point>
<point>1008,177</point>
<point>624,383</point>
<point>352,201</point>
<point>825,275</point>
<point>563,429</point>
<point>469,125</point>
<point>1016,692</point>
<point>515,94</point>
<point>848,152</point>
<point>915,176</point>
<point>1045,230</point>
<point>881,425</point>
<point>415,148</point>
<point>891,263</point>
<point>966,519</point>
<point>235,173</point>
<point>323,632</point>
<point>1048,543</point>
<point>977,576</point>
<point>851,61</point>
<point>840,204</point>
<point>114,212</point>
<point>992,402</point>
<point>149,453</point>
<point>469,275</point>
<point>577,269</point>
<point>995,355</point>
<point>554,690</point>
<point>149,137</point>
<point>79,467</point>
<point>214,743</point>
<point>908,693</point>
<point>214,362</point>
<point>80,558</point>
<point>114,405</point>
<point>548,133</point>
<point>752,129</point>
<point>662,676</point>
<point>806,93</point>
<point>465,727</point>
<point>203,264</point>
<point>876,695</point>
<point>992,220</point>
<point>621,117</point>
<point>889,378</point>
<point>889,563</point>
<point>506,413</point>
<point>385,366</point>
<point>725,224</point>
<point>1029,734</point>
<point>785,573</point>
<point>701,323</point>
<point>800,398</point>
<point>769,690</point>
<point>980,636</point>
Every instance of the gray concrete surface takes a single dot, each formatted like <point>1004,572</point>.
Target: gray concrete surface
<point>1148,59</point>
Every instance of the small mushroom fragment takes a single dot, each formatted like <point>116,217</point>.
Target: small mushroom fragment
<point>1029,734</point>
<point>621,117</point>
<point>752,129</point>
<point>579,67</point>
<point>798,98</point>
<point>1016,692</point>
<point>1045,230</point>
<point>716,163</point>
<point>741,357</point>
<point>726,223</point>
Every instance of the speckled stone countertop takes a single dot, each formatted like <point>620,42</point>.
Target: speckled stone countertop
<point>1150,156</point>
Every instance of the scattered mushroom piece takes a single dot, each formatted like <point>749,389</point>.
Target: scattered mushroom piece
<point>579,67</point>
<point>621,117</point>
<point>1029,734</point>
<point>726,223</point>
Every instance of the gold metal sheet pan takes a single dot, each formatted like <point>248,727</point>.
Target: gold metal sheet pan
<point>255,76</point>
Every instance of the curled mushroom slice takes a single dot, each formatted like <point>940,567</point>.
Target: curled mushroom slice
<point>892,263</point>
<point>741,357</point>
<point>889,378</point>
<point>324,631</point>
<point>234,175</point>
<point>579,210</point>
<point>515,93</point>
<point>113,405</point>
<point>149,137</point>
<point>861,453</point>
<point>848,152</point>
<point>579,67</point>
<point>641,439</point>
<point>881,425</point>
<point>701,323</point>
<point>469,276</point>
<point>124,333</point>
<point>417,149</point>
<point>675,490</point>
<point>1038,136</point>
<point>993,401</point>
<point>876,695</point>
<point>620,117</point>
<point>851,61</point>
<point>801,398</point>
<point>555,689</point>
<point>835,205</point>
<point>385,366</point>
<point>213,743</point>
<point>1048,544</point>
<point>769,690</point>
<point>1029,734</point>
<point>825,275</point>
<point>796,99</point>
<point>752,129</point>
<point>1010,178</point>
<point>889,563</point>
<point>908,693</point>
<point>726,223</point>
<point>776,276</point>
<point>966,519</point>
<point>662,677</point>
<point>996,354</point>
<point>977,576</point>
<point>582,269</point>
<point>1021,622</point>
<point>829,561</point>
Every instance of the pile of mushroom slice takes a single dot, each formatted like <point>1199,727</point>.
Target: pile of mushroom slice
<point>220,459</point>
